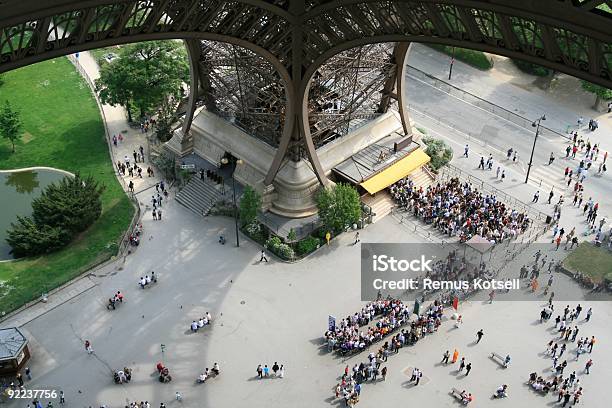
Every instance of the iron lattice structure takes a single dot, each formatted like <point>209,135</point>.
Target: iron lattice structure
<point>298,36</point>
<point>347,91</point>
<point>244,88</point>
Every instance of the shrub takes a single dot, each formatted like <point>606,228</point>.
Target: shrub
<point>307,245</point>
<point>166,164</point>
<point>28,239</point>
<point>277,246</point>
<point>72,204</point>
<point>338,206</point>
<point>63,210</point>
<point>477,59</point>
<point>530,68</point>
<point>250,205</point>
<point>440,153</point>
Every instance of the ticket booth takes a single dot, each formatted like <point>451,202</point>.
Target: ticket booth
<point>14,351</point>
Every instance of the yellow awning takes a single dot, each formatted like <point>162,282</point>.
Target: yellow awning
<point>396,171</point>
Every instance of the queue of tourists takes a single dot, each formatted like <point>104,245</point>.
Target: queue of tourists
<point>460,209</point>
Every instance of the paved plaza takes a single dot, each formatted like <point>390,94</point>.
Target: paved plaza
<point>270,312</point>
<point>277,312</point>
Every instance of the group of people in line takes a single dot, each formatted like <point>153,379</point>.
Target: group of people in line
<point>278,371</point>
<point>460,209</point>
<point>203,321</point>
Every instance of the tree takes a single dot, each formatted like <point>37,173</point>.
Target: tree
<point>72,204</point>
<point>601,93</point>
<point>10,124</point>
<point>439,152</point>
<point>338,206</point>
<point>145,75</point>
<point>250,205</point>
<point>26,238</point>
<point>63,210</point>
<point>166,116</point>
<point>113,86</point>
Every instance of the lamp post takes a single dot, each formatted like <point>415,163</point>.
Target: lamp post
<point>235,162</point>
<point>535,124</point>
<point>452,61</point>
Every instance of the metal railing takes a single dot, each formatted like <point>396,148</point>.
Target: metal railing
<point>301,231</point>
<point>449,171</point>
<point>483,104</point>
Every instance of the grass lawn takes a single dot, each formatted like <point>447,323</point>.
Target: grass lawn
<point>62,129</point>
<point>590,260</point>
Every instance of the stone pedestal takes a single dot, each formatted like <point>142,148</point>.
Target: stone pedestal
<point>293,192</point>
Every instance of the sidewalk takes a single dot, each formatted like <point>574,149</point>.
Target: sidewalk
<point>115,119</point>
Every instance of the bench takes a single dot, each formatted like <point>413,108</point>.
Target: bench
<point>498,358</point>
<point>457,394</point>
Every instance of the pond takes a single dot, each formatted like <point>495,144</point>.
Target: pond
<point>17,190</point>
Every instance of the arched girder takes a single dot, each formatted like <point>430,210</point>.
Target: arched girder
<point>570,36</point>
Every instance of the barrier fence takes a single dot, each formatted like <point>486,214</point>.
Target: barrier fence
<point>481,103</point>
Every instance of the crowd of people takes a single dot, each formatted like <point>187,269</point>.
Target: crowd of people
<point>460,209</point>
<point>389,310</point>
<point>568,388</point>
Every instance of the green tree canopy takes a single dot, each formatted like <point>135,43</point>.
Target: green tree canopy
<point>62,210</point>
<point>73,204</point>
<point>250,205</point>
<point>338,206</point>
<point>144,75</point>
<point>10,124</point>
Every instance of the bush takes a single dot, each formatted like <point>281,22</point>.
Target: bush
<point>477,59</point>
<point>28,239</point>
<point>250,205</point>
<point>530,68</point>
<point>277,246</point>
<point>72,204</point>
<point>256,231</point>
<point>439,152</point>
<point>166,164</point>
<point>338,206</point>
<point>307,245</point>
<point>63,210</point>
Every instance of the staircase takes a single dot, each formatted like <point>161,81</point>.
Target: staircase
<point>199,195</point>
<point>381,204</point>
<point>422,177</point>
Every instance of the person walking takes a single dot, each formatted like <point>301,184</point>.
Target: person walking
<point>62,399</point>
<point>88,347</point>
<point>587,366</point>
<point>591,344</point>
<point>28,373</point>
<point>551,159</point>
<point>445,357</point>
<point>461,364</point>
<point>479,334</point>
<point>455,356</point>
<point>589,313</point>
<point>384,373</point>
<point>466,151</point>
<point>419,375</point>
<point>468,368</point>
<point>259,371</point>
<point>550,196</point>
<point>356,238</point>
<point>536,197</point>
<point>263,256</point>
